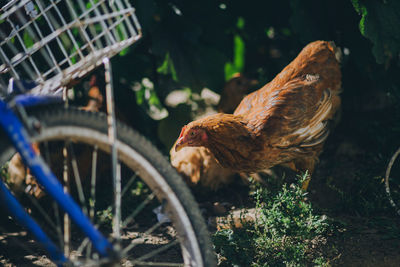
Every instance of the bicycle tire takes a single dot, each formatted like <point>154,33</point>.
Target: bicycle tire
<point>134,151</point>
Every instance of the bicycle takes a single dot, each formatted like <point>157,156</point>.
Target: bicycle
<point>102,184</point>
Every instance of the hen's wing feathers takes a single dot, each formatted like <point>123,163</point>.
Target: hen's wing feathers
<point>294,115</point>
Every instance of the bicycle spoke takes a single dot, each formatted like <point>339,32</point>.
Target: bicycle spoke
<point>92,201</point>
<point>128,184</point>
<point>117,197</point>
<point>47,152</point>
<point>143,263</point>
<point>125,189</point>
<point>83,245</point>
<point>14,239</point>
<point>85,173</point>
<point>155,252</point>
<point>139,208</point>
<point>78,182</point>
<point>59,230</point>
<point>86,242</point>
<point>42,212</point>
<point>67,223</point>
<point>137,241</point>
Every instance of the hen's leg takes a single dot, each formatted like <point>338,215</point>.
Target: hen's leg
<point>306,182</point>
<point>306,165</point>
<point>303,166</point>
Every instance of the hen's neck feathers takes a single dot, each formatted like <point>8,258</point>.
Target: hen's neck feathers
<point>223,127</point>
<point>229,138</point>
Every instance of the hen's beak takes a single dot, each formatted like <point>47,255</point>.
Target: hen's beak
<point>182,140</point>
<point>181,143</point>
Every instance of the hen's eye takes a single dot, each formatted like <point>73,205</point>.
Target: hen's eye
<point>191,133</point>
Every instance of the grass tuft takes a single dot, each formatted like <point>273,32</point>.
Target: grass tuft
<point>286,232</point>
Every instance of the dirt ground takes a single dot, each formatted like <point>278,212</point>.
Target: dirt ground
<point>357,243</point>
<point>358,240</point>
<point>347,186</point>
<point>361,239</point>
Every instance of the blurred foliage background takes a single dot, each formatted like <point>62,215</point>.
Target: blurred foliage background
<point>191,45</point>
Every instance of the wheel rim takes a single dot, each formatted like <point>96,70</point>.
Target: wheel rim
<point>162,192</point>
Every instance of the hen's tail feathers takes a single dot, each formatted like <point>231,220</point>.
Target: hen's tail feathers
<point>338,52</point>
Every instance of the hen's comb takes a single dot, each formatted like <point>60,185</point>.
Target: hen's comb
<point>182,131</point>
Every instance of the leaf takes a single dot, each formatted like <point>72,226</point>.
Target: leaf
<point>239,50</point>
<point>124,52</point>
<point>147,98</point>
<point>73,58</point>
<point>140,96</point>
<point>238,54</point>
<point>380,23</point>
<point>89,5</point>
<point>167,67</point>
<point>240,23</point>
<point>28,41</point>
<point>229,70</point>
<point>196,66</point>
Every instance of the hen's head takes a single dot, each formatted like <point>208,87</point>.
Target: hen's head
<point>191,135</point>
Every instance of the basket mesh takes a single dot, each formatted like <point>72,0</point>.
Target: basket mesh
<point>53,42</point>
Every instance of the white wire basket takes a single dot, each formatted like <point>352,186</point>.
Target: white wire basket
<point>53,42</point>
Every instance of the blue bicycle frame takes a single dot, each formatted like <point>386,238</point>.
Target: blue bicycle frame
<point>19,137</point>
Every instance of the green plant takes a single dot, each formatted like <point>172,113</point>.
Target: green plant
<point>239,54</point>
<point>5,176</point>
<point>235,247</point>
<point>379,23</point>
<point>286,232</point>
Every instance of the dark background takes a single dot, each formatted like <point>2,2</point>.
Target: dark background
<point>189,45</point>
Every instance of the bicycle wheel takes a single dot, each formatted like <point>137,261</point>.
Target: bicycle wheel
<point>160,224</point>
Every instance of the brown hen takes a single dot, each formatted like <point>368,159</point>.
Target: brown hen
<point>197,164</point>
<point>285,122</point>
